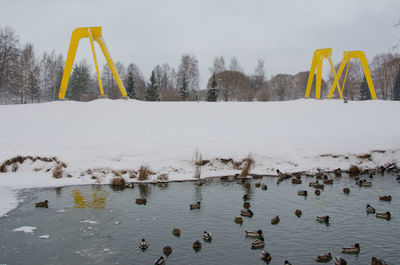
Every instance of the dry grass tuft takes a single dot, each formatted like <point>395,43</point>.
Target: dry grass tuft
<point>364,156</point>
<point>162,177</point>
<point>58,171</point>
<point>248,162</point>
<point>354,170</point>
<point>118,182</point>
<point>144,173</point>
<point>132,174</point>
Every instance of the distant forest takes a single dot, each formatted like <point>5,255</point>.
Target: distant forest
<point>29,78</point>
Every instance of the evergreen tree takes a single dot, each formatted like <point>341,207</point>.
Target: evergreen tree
<point>79,83</point>
<point>33,87</point>
<point>183,90</point>
<point>130,87</point>
<point>396,87</point>
<point>152,93</point>
<point>213,91</point>
<point>364,90</point>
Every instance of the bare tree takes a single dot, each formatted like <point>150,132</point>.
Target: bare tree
<point>233,86</point>
<point>51,71</point>
<point>218,65</point>
<point>27,63</point>
<point>281,85</point>
<point>263,94</point>
<point>383,69</point>
<point>8,60</point>
<point>189,69</point>
<point>235,66</point>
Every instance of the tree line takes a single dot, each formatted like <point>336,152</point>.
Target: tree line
<point>27,78</point>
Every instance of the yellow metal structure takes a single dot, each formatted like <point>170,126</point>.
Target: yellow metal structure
<point>94,34</point>
<point>347,56</point>
<point>318,57</point>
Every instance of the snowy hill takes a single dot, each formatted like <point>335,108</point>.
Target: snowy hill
<point>106,135</point>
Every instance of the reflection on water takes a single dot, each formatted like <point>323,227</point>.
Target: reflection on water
<point>144,190</point>
<point>93,199</point>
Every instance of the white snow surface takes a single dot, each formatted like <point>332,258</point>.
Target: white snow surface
<point>25,229</point>
<point>105,135</point>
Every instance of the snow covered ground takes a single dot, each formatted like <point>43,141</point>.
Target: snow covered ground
<point>106,135</point>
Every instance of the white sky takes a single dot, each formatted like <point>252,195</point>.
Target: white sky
<point>284,33</point>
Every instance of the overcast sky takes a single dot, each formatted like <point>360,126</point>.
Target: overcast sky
<point>283,32</point>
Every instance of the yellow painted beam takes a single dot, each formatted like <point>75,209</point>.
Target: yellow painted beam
<point>95,63</point>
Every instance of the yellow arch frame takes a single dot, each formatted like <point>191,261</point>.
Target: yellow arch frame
<point>347,56</point>
<point>318,57</point>
<point>94,34</point>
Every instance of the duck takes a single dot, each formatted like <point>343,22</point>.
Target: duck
<point>298,212</point>
<point>385,198</point>
<point>338,172</point>
<point>280,174</point>
<point>369,209</point>
<point>287,262</point>
<point>264,186</point>
<point>319,186</point>
<point>207,236</point>
<point>258,184</point>
<point>176,232</point>
<point>312,184</point>
<point>340,261</point>
<point>352,249</point>
<point>247,213</point>
<point>296,181</point>
<point>376,261</point>
<point>275,220</point>
<point>197,245</point>
<point>141,201</point>
<point>323,257</point>
<point>323,219</point>
<point>366,183</point>
<point>43,204</point>
<point>246,197</point>
<point>302,193</point>
<point>386,215</point>
<point>346,190</point>
<point>265,256</point>
<point>167,250</point>
<point>328,181</point>
<point>259,243</point>
<point>195,206</point>
<point>246,205</point>
<point>239,220</point>
<point>317,192</point>
<point>143,245</point>
<point>254,233</point>
<point>160,261</point>
<point>359,182</point>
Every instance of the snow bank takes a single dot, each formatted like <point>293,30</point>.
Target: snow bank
<point>106,135</point>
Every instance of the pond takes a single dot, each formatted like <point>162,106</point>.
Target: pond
<point>98,225</point>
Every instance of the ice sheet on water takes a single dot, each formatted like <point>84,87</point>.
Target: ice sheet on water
<point>25,229</point>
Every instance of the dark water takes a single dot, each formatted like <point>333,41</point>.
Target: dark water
<point>121,224</point>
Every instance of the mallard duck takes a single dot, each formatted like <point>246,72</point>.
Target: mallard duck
<point>324,257</point>
<point>338,172</point>
<point>176,232</point>
<point>328,181</point>
<point>141,201</point>
<point>370,209</point>
<point>197,245</point>
<point>298,176</point>
<point>376,261</point>
<point>254,233</point>
<point>195,206</point>
<point>352,249</point>
<point>247,213</point>
<point>359,182</point>
<point>346,190</point>
<point>371,176</point>
<point>246,184</point>
<point>160,261</point>
<point>296,181</point>
<point>298,213</point>
<point>287,263</point>
<point>386,215</point>
<point>207,236</point>
<point>340,261</point>
<point>265,256</point>
<point>275,220</point>
<point>385,198</point>
<point>43,204</point>
<point>246,197</point>
<point>167,250</point>
<point>264,186</point>
<point>317,192</point>
<point>323,219</point>
<point>246,205</point>
<point>366,183</point>
<point>302,193</point>
<point>239,220</point>
<point>312,184</point>
<point>319,186</point>
<point>143,245</point>
<point>280,174</point>
<point>258,184</point>
<point>259,243</point>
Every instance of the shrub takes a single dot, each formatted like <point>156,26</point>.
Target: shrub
<point>118,182</point>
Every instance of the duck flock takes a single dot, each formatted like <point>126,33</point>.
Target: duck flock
<point>321,179</point>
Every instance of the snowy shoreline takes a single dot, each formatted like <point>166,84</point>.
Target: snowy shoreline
<point>107,136</point>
